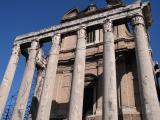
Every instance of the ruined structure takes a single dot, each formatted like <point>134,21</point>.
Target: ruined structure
<point>99,67</point>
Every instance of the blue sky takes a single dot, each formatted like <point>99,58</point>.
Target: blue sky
<point>22,16</point>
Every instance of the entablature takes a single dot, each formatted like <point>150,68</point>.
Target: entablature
<point>123,13</point>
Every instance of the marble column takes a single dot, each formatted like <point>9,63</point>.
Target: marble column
<point>39,83</point>
<point>41,68</point>
<point>37,94</point>
<point>109,73</point>
<point>77,89</point>
<point>23,94</point>
<point>49,81</point>
<point>149,99</point>
<point>8,78</point>
<point>99,88</point>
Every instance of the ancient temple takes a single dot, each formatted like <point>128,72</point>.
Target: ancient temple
<point>99,67</point>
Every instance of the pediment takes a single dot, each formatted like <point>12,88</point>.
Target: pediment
<point>113,2</point>
<point>71,14</point>
<point>90,8</point>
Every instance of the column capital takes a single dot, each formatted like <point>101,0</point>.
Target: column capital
<point>138,19</point>
<point>16,49</point>
<point>82,31</point>
<point>34,45</point>
<point>56,39</point>
<point>108,26</point>
<point>55,44</point>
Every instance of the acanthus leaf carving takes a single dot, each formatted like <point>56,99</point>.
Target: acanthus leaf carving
<point>138,19</point>
<point>108,26</point>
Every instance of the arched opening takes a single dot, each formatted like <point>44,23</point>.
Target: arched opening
<point>89,95</point>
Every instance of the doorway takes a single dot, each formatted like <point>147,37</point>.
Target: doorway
<point>89,97</point>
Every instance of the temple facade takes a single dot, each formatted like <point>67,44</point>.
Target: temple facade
<point>99,67</point>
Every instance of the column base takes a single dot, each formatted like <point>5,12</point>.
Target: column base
<point>99,112</point>
<point>129,117</point>
<point>129,114</point>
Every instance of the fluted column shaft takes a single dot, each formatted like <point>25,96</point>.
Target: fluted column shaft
<point>49,81</point>
<point>149,99</point>
<point>8,78</point>
<point>109,73</point>
<point>23,94</point>
<point>76,99</point>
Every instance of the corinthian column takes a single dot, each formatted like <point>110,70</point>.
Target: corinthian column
<point>109,73</point>
<point>8,78</point>
<point>76,99</point>
<point>149,99</point>
<point>49,81</point>
<point>23,94</point>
